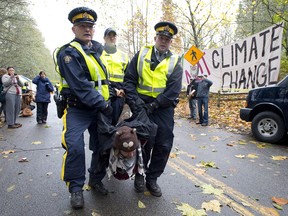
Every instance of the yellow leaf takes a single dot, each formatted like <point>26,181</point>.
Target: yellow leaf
<point>213,205</point>
<point>173,155</point>
<point>209,189</point>
<point>252,156</point>
<point>188,210</point>
<point>214,138</point>
<point>278,158</point>
<point>261,146</point>
<point>86,187</point>
<point>141,204</point>
<point>11,188</point>
<point>36,142</point>
<point>8,152</point>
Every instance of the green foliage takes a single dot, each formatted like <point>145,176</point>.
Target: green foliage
<point>21,43</point>
<point>283,67</point>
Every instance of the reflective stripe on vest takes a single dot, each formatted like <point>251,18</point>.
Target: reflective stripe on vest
<point>152,83</point>
<point>62,83</point>
<point>116,65</point>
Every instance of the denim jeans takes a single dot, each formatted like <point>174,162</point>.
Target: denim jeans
<point>192,106</point>
<point>203,114</point>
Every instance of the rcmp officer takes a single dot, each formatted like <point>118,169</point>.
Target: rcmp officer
<point>84,86</point>
<point>117,62</point>
<point>153,80</point>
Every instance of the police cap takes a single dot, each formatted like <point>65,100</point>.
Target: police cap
<point>167,29</point>
<point>82,14</point>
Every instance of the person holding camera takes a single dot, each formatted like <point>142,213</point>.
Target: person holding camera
<point>13,89</point>
<point>42,98</point>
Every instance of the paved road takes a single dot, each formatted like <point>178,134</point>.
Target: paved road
<point>243,180</point>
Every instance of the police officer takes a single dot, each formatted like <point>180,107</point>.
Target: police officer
<point>153,80</point>
<point>117,62</point>
<point>84,86</point>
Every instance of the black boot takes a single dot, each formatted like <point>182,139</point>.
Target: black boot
<point>77,200</point>
<point>99,187</point>
<point>139,183</point>
<point>154,188</point>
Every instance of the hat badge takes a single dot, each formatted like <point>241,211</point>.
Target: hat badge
<point>166,28</point>
<point>85,15</point>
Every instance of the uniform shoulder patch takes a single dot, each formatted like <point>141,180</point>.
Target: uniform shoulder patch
<point>67,59</point>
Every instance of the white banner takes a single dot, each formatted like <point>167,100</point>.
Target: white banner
<point>246,64</point>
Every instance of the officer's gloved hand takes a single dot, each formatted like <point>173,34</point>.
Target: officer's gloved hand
<point>108,110</point>
<point>150,107</point>
<point>136,105</point>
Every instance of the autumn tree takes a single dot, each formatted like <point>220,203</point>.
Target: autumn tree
<point>202,23</point>
<point>169,15</point>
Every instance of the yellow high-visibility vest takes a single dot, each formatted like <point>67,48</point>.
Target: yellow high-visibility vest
<point>152,83</point>
<point>116,65</point>
<point>97,73</point>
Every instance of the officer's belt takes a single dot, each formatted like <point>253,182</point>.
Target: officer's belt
<point>103,82</point>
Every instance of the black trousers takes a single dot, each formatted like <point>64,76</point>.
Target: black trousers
<point>42,111</point>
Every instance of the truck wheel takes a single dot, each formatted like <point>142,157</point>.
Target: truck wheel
<point>268,127</point>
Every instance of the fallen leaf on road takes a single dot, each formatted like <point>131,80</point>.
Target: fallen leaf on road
<point>242,142</point>
<point>240,156</point>
<point>209,189</point>
<point>277,206</point>
<point>262,146</point>
<point>173,155</point>
<point>278,158</point>
<point>213,205</point>
<point>252,156</point>
<point>11,188</point>
<point>86,187</point>
<point>141,204</point>
<point>188,210</point>
<point>7,152</point>
<point>24,159</point>
<point>209,164</point>
<point>279,201</point>
<point>36,142</point>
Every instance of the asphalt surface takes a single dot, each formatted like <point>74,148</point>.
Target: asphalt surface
<point>242,174</point>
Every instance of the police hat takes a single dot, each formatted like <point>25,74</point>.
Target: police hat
<point>167,29</point>
<point>108,30</point>
<point>82,14</point>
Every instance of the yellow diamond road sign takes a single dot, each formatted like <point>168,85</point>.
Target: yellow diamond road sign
<point>193,55</point>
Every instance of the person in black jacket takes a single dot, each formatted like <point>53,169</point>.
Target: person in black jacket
<point>84,87</point>
<point>153,80</point>
<point>192,100</point>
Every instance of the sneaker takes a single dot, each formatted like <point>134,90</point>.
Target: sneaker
<point>139,183</point>
<point>204,124</point>
<point>77,200</point>
<point>44,121</point>
<point>39,122</point>
<point>99,187</point>
<point>154,188</point>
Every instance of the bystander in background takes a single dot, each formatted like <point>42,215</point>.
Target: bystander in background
<point>42,98</point>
